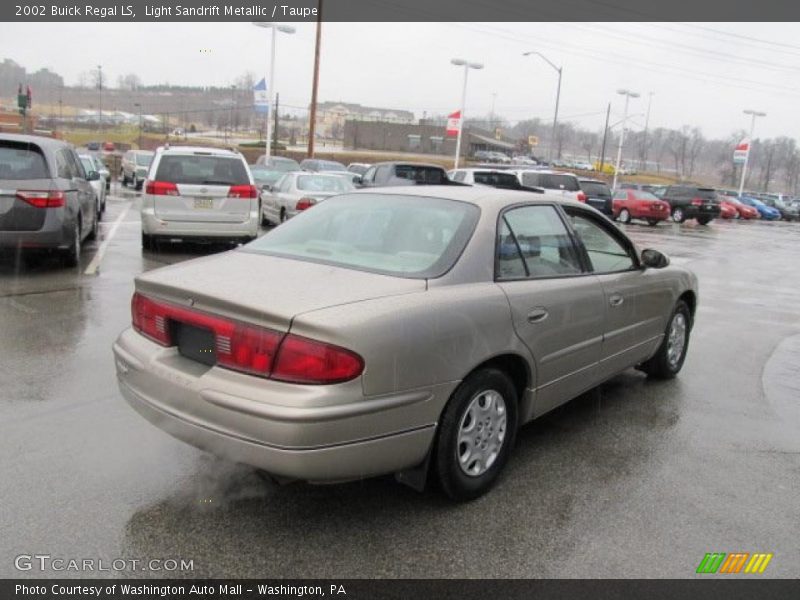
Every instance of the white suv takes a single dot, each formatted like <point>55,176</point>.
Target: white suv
<point>198,193</point>
<point>554,181</point>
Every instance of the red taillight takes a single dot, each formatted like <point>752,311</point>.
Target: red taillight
<point>697,201</point>
<point>248,348</point>
<point>301,360</point>
<point>243,191</point>
<point>305,203</point>
<point>581,197</point>
<point>42,198</point>
<point>161,188</point>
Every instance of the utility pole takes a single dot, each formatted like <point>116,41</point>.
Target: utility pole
<point>312,117</point>
<point>491,114</point>
<point>605,136</point>
<point>558,70</point>
<point>643,166</point>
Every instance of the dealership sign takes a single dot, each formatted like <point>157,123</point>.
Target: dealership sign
<point>741,151</point>
<point>453,123</point>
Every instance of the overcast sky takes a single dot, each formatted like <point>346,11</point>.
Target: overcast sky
<point>700,74</point>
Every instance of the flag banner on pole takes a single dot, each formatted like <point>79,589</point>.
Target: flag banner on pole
<point>741,151</point>
<point>453,123</point>
<point>261,97</point>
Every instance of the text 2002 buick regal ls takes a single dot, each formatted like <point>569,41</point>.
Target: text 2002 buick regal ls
<point>403,330</point>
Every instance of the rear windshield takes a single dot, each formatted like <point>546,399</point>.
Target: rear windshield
<point>202,170</point>
<point>330,165</point>
<point>88,164</point>
<point>404,236</point>
<point>144,160</point>
<point>263,176</point>
<point>550,181</point>
<point>320,183</point>
<point>594,188</point>
<point>432,175</point>
<point>709,193</point>
<point>22,161</point>
<point>496,179</point>
<point>645,196</point>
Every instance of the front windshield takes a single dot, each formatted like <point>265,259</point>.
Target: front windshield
<point>407,236</point>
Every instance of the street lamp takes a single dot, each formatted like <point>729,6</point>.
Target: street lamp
<point>139,106</point>
<point>559,70</point>
<point>643,166</point>
<point>271,86</point>
<point>460,62</point>
<point>628,95</point>
<point>753,114</point>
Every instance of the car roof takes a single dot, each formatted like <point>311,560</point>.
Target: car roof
<point>483,196</point>
<point>590,180</point>
<point>545,172</point>
<point>39,140</point>
<point>195,150</point>
<point>409,163</point>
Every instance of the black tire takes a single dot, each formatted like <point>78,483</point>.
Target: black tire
<point>137,185</point>
<point>93,231</point>
<point>660,366</point>
<point>72,255</point>
<point>147,242</point>
<point>124,179</point>
<point>624,216</point>
<point>454,479</point>
<point>704,220</point>
<point>678,214</point>
<point>283,217</point>
<point>652,222</point>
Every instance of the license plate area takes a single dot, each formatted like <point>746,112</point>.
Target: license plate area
<point>203,203</point>
<point>195,343</point>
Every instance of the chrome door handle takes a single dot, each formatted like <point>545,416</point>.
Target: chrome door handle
<point>616,299</point>
<point>537,315</point>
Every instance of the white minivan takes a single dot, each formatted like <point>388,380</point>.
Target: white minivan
<point>196,193</point>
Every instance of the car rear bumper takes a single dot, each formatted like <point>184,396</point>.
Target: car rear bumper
<point>291,431</point>
<point>55,233</point>
<point>152,225</point>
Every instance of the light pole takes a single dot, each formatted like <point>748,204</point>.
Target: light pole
<point>753,114</point>
<point>628,95</point>
<point>312,114</point>
<point>230,114</point>
<point>460,62</point>
<point>139,106</point>
<point>271,86</point>
<point>100,98</point>
<point>559,70</point>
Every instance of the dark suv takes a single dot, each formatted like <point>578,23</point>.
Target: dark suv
<point>692,202</point>
<point>598,195</point>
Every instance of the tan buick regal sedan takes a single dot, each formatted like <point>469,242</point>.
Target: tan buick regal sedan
<point>399,330</point>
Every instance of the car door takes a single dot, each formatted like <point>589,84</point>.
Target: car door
<point>89,200</point>
<point>557,307</point>
<point>637,300</point>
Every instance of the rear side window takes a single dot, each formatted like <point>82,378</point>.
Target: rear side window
<point>495,178</point>
<point>22,161</point>
<point>420,174</point>
<point>559,182</point>
<point>533,242</point>
<point>202,170</point>
<point>594,188</point>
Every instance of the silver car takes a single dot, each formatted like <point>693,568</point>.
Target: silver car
<point>92,164</point>
<point>399,330</point>
<point>195,193</point>
<point>298,191</point>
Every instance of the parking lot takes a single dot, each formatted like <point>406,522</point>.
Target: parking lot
<point>638,479</point>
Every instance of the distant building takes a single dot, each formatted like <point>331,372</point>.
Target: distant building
<point>422,138</point>
<point>331,116</point>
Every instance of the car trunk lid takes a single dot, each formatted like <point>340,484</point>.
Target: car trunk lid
<point>266,290</point>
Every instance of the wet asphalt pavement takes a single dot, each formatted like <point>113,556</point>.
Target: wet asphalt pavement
<point>638,480</point>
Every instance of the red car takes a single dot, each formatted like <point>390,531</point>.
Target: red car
<point>727,210</point>
<point>638,204</point>
<point>744,211</point>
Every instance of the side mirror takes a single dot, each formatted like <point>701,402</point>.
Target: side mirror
<point>92,176</point>
<point>653,259</point>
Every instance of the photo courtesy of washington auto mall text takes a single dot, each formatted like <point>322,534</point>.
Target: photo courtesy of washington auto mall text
<point>399,299</point>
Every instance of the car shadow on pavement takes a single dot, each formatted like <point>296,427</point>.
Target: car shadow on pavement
<point>234,523</point>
